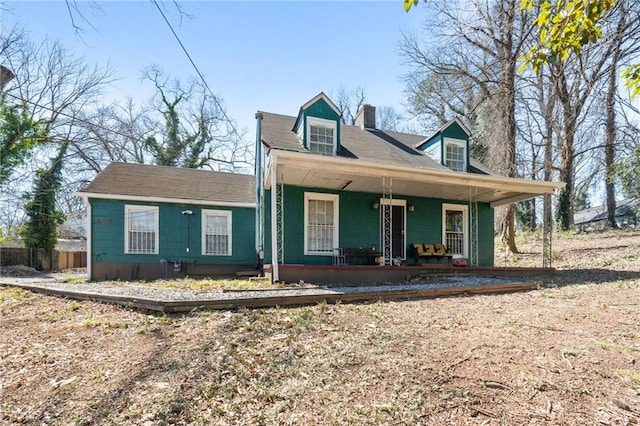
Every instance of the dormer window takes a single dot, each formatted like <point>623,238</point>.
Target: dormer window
<point>455,154</point>
<point>321,136</point>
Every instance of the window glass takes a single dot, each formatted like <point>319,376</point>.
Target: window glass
<point>321,140</point>
<point>454,231</point>
<point>141,222</point>
<point>320,226</point>
<point>216,232</point>
<point>455,155</point>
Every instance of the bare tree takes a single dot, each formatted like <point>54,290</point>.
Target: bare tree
<point>349,103</point>
<point>624,41</point>
<point>195,131</point>
<point>55,86</point>
<point>479,45</point>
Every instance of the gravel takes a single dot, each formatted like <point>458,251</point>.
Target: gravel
<point>171,295</point>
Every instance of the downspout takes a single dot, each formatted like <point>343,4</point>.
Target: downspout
<point>89,238</point>
<point>259,205</point>
<point>274,221</point>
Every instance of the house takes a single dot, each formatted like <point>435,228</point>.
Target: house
<point>596,217</point>
<point>324,186</point>
<point>148,222</point>
<point>329,202</point>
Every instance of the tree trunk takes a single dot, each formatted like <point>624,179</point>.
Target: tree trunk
<point>610,127</point>
<point>507,115</point>
<point>564,213</point>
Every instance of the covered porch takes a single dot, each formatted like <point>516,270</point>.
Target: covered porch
<point>397,196</point>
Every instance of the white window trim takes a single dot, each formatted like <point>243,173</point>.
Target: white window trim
<point>156,223</point>
<point>465,224</point>
<point>203,230</point>
<point>322,122</point>
<point>336,220</point>
<point>461,143</point>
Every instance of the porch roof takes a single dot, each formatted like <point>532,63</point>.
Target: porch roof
<point>339,173</point>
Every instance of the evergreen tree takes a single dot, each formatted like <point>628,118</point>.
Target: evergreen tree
<point>40,230</point>
<point>18,136</point>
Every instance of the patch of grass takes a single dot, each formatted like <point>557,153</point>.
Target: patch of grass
<point>604,345</point>
<point>71,280</point>
<point>620,348</point>
<point>192,284</point>
<point>14,293</point>
<point>458,392</point>
<point>90,322</point>
<point>149,326</point>
<point>632,376</point>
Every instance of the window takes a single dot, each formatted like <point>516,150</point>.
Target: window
<point>216,232</point>
<point>320,223</point>
<point>454,228</point>
<point>456,154</point>
<point>322,135</point>
<point>141,229</point>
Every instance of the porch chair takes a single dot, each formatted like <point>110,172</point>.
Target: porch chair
<point>430,249</point>
<point>422,250</point>
<point>442,252</point>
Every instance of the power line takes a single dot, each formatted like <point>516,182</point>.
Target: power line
<point>184,49</point>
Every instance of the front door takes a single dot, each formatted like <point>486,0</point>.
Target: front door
<point>392,230</point>
<point>397,232</point>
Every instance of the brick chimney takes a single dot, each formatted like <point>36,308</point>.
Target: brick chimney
<point>366,117</point>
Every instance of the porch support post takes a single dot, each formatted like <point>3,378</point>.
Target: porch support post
<point>274,222</point>
<point>547,231</point>
<point>258,172</point>
<point>473,207</point>
<point>87,204</point>
<point>386,209</point>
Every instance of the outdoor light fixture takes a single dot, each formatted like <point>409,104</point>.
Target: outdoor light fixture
<point>410,206</point>
<point>188,212</point>
<point>375,205</point>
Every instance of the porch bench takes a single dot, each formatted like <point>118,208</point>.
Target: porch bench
<point>428,251</point>
<point>360,255</point>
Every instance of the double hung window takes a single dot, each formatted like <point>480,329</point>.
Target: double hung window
<point>141,229</point>
<point>322,136</point>
<point>216,232</point>
<point>456,154</point>
<point>321,223</point>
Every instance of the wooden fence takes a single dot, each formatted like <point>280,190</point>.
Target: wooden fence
<point>38,259</point>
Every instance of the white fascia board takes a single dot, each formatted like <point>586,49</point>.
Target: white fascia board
<point>438,176</point>
<point>319,96</point>
<point>514,199</point>
<point>169,200</point>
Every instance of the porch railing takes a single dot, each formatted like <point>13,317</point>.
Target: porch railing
<point>455,242</point>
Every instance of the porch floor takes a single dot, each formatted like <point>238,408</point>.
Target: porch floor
<point>341,275</point>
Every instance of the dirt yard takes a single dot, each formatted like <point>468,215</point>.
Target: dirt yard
<point>568,354</point>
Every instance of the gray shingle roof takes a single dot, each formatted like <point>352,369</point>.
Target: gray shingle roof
<point>599,213</point>
<point>172,182</point>
<point>377,146</point>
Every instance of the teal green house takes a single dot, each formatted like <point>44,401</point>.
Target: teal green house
<point>331,196</point>
<point>147,222</point>
<point>325,197</point>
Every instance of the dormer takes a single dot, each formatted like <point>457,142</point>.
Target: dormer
<point>318,126</point>
<point>449,146</point>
